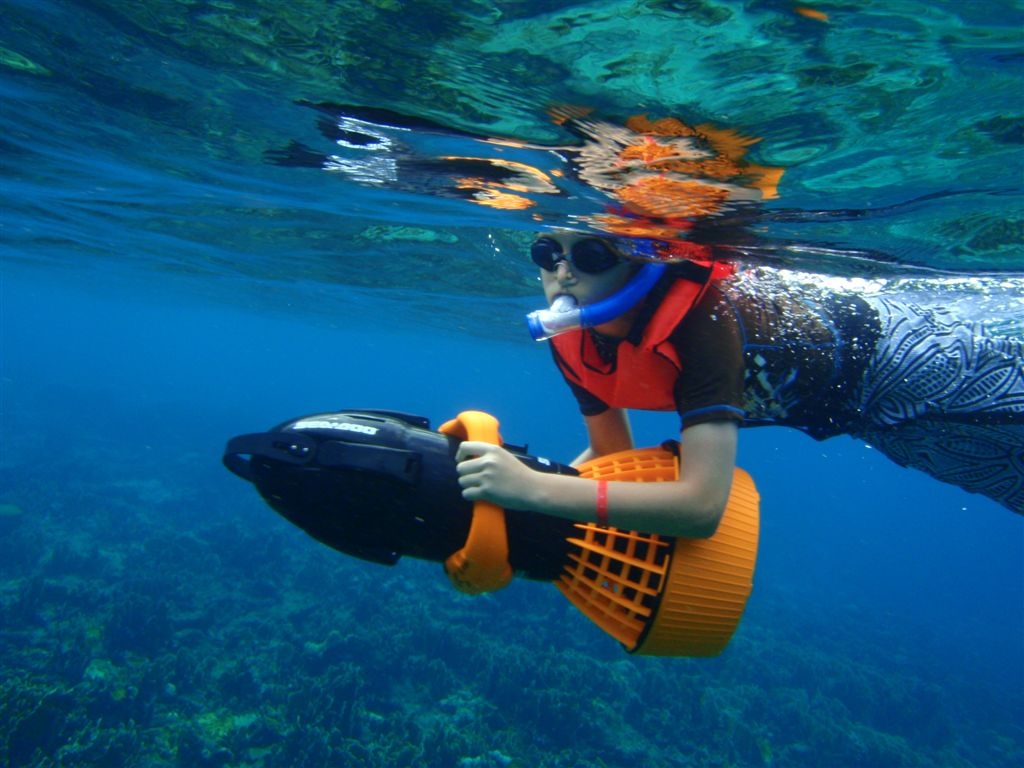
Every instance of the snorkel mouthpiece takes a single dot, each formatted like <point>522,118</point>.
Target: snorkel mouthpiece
<point>565,314</point>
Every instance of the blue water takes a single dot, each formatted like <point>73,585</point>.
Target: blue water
<point>164,288</point>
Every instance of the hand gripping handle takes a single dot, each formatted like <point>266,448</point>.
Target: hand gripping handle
<point>482,564</point>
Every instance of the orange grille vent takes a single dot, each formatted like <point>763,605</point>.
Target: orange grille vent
<point>658,595</point>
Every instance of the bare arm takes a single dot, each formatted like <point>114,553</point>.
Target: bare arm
<point>690,506</point>
<point>609,432</point>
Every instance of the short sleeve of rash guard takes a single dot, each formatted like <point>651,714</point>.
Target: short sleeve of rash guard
<point>709,344</point>
<point>589,403</point>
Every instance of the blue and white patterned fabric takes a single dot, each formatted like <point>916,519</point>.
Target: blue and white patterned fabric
<point>944,396</point>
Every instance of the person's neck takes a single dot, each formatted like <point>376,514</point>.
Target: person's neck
<point>620,327</point>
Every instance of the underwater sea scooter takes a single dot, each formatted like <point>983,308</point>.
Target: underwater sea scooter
<point>378,485</point>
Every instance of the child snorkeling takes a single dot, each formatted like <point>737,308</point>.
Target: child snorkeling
<point>648,317</point>
<point>927,389</point>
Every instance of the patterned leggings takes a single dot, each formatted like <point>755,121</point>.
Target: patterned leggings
<point>941,395</point>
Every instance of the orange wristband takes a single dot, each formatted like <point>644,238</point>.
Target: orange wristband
<point>602,502</point>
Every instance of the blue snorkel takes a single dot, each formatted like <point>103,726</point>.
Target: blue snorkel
<point>565,314</point>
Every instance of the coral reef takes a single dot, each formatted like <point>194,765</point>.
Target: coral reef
<point>143,627</point>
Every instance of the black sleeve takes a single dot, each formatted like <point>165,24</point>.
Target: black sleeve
<point>709,344</point>
<point>590,404</point>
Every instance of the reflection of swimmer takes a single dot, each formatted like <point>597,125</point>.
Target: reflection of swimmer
<point>383,148</point>
<point>927,389</point>
<point>646,177</point>
<point>665,172</point>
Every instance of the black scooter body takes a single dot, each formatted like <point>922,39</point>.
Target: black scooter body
<point>378,485</point>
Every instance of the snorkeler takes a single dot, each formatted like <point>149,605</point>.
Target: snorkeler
<point>649,318</point>
<point>927,389</point>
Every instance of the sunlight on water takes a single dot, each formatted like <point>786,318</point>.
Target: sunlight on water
<point>894,124</point>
